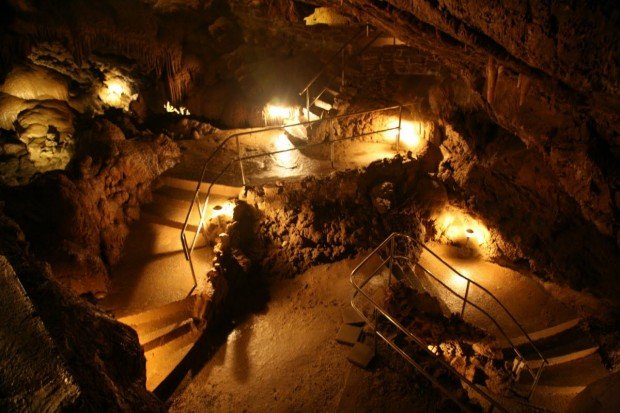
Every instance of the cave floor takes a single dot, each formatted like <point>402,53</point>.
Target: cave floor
<point>153,270</point>
<point>287,359</point>
<point>526,299</point>
<point>293,165</point>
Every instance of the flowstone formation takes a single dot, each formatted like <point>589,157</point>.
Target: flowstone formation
<point>88,208</point>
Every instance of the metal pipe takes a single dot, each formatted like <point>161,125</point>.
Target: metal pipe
<point>240,161</point>
<point>465,299</point>
<point>420,343</point>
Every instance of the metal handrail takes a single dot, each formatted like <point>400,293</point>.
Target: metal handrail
<point>392,256</point>
<point>490,294</point>
<point>417,340</point>
<point>188,247</point>
<point>332,58</point>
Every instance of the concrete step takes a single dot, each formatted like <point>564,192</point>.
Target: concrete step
<point>154,322</point>
<point>190,185</point>
<point>161,360</point>
<point>560,383</point>
<point>547,332</point>
<point>568,345</point>
<point>323,105</point>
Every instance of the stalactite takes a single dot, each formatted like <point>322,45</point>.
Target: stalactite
<point>491,79</point>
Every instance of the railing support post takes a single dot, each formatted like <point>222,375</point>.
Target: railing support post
<point>240,161</point>
<point>308,103</point>
<point>391,265</point>
<point>400,120</point>
<point>331,142</point>
<point>465,299</point>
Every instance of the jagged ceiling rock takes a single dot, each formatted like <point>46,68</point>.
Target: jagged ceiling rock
<point>546,71</point>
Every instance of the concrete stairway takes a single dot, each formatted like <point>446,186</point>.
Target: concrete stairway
<point>152,286</point>
<point>571,353</point>
<point>329,89</point>
<point>573,364</point>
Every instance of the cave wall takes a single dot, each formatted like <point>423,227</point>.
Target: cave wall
<point>81,360</point>
<point>536,73</point>
<point>529,69</point>
<point>78,219</point>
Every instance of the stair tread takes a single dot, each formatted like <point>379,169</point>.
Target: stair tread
<point>162,360</point>
<point>190,185</point>
<point>146,338</point>
<point>153,314</point>
<point>547,332</point>
<point>565,342</point>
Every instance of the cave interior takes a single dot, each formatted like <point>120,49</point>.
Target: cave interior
<point>310,205</point>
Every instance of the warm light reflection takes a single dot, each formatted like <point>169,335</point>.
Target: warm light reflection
<point>457,227</point>
<point>412,133</point>
<point>285,159</point>
<point>457,282</point>
<point>116,92</point>
<point>281,115</point>
<point>226,210</point>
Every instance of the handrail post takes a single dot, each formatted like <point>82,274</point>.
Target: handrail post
<point>465,299</point>
<point>400,120</point>
<point>240,161</point>
<point>331,141</point>
<point>308,102</point>
<point>391,265</point>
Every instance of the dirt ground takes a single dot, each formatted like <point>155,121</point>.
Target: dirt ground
<point>286,359</point>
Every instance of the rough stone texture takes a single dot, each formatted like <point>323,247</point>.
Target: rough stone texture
<point>515,191</point>
<point>469,350</point>
<point>77,358</point>
<point>525,68</point>
<point>323,220</point>
<point>78,220</point>
<point>30,359</point>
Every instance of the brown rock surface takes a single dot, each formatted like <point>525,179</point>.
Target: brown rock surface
<point>76,357</point>
<point>78,220</point>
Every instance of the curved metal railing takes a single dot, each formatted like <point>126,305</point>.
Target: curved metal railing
<point>390,260</point>
<point>201,205</point>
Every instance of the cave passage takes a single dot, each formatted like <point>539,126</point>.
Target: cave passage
<point>303,205</point>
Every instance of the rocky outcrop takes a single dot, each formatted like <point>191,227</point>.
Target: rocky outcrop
<point>78,220</point>
<point>322,220</point>
<point>470,351</point>
<point>529,69</point>
<point>58,352</point>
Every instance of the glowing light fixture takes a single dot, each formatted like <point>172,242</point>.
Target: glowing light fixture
<point>457,226</point>
<point>116,92</point>
<point>226,210</point>
<point>183,111</point>
<point>411,133</point>
<point>280,115</point>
